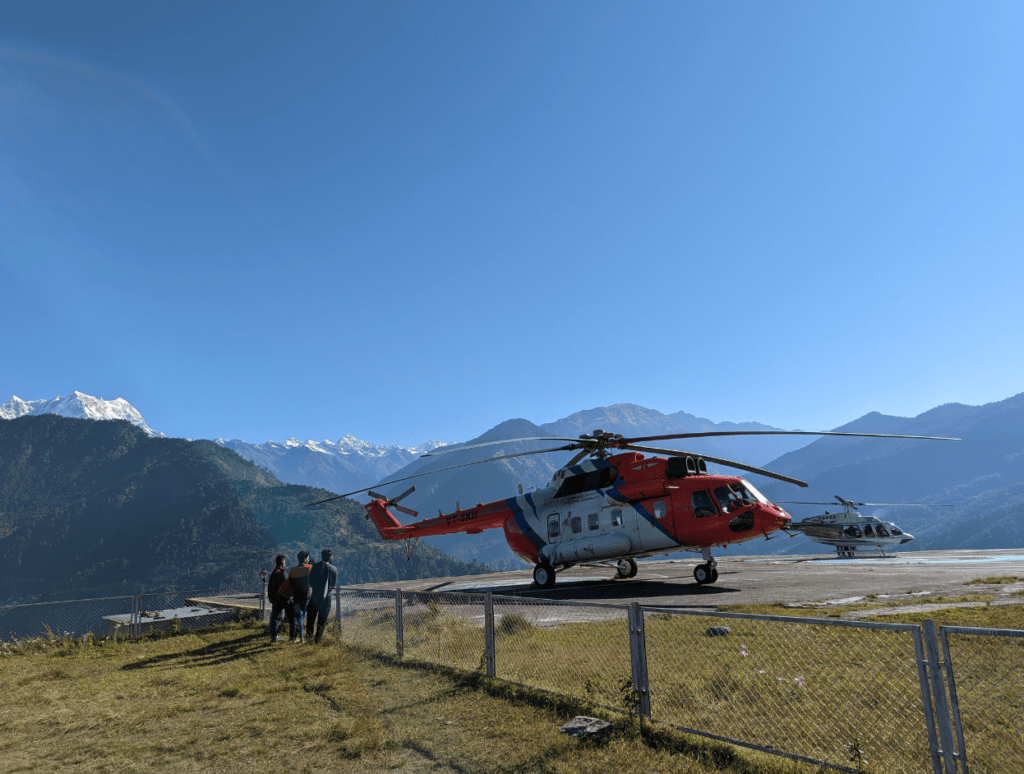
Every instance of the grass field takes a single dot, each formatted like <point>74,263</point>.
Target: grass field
<point>223,699</point>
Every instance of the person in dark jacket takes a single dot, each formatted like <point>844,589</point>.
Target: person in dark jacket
<point>279,594</point>
<point>298,578</point>
<point>322,579</point>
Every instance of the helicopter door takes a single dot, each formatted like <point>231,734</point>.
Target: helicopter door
<point>624,521</point>
<point>658,531</point>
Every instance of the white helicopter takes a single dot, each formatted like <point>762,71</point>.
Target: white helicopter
<point>851,529</point>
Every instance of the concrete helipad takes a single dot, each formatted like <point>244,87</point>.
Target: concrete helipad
<point>749,579</point>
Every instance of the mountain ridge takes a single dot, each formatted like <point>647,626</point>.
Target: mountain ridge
<point>93,508</point>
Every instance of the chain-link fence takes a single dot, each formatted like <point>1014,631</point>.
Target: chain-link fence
<point>116,616</point>
<point>62,619</point>
<point>812,689</point>
<point>986,685</point>
<point>447,630</point>
<point>843,694</point>
<point>577,650</point>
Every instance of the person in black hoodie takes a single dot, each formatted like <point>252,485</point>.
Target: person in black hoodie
<point>279,592</point>
<point>298,578</point>
<point>322,579</point>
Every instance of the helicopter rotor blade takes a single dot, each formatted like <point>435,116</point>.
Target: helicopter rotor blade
<point>919,505</point>
<point>404,494</point>
<point>892,505</point>
<point>578,457</point>
<point>570,447</point>
<point>403,509</point>
<point>448,449</point>
<point>616,441</point>
<point>717,433</point>
<point>720,461</point>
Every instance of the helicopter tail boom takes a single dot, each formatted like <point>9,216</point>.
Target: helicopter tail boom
<point>470,520</point>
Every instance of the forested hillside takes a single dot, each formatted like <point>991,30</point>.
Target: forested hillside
<point>91,508</point>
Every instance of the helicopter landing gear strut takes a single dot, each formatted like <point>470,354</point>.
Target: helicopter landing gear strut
<point>707,572</point>
<point>626,568</point>
<point>544,575</point>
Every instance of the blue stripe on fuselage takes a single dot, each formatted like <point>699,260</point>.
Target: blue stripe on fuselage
<point>521,522</point>
<point>615,495</point>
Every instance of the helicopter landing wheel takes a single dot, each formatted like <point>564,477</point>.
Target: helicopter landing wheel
<point>702,574</point>
<point>544,576</point>
<point>626,568</point>
<point>714,575</point>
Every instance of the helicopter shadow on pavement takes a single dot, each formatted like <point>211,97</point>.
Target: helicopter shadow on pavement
<point>627,592</point>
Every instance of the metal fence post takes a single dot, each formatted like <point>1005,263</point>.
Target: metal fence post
<point>489,633</point>
<point>926,701</point>
<point>954,701</point>
<point>337,612</point>
<point>638,659</point>
<point>935,666</point>
<point>399,633</point>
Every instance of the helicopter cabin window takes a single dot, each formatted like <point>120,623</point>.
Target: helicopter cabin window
<point>880,531</point>
<point>617,517</point>
<point>703,505</point>
<point>588,482</point>
<point>867,531</point>
<point>727,499</point>
<point>853,531</point>
<point>593,522</point>
<point>659,509</point>
<point>577,525</point>
<point>553,531</point>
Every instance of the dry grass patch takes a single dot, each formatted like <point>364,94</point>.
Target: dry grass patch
<point>224,699</point>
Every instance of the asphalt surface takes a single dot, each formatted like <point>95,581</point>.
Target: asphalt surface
<point>749,579</point>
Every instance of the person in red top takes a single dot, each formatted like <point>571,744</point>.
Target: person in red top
<point>298,577</point>
<point>279,592</point>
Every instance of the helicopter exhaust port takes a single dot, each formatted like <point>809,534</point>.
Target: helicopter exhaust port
<point>681,467</point>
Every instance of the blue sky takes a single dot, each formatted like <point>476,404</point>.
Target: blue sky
<point>412,220</point>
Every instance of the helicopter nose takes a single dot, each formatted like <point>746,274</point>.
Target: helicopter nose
<point>906,538</point>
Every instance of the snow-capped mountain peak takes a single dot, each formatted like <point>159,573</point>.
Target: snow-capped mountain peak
<point>348,464</point>
<point>78,405</point>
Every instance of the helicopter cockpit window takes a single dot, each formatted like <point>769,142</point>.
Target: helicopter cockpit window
<point>617,517</point>
<point>895,530</point>
<point>703,505</point>
<point>553,530</point>
<point>753,490</point>
<point>593,522</point>
<point>577,524</point>
<point>727,499</point>
<point>880,531</point>
<point>742,494</point>
<point>867,531</point>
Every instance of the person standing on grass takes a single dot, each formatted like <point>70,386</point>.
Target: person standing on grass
<point>298,577</point>
<point>279,592</point>
<point>322,579</point>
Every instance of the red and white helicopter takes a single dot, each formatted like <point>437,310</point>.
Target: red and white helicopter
<point>612,508</point>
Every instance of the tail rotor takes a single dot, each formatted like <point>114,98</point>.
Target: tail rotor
<point>393,502</point>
